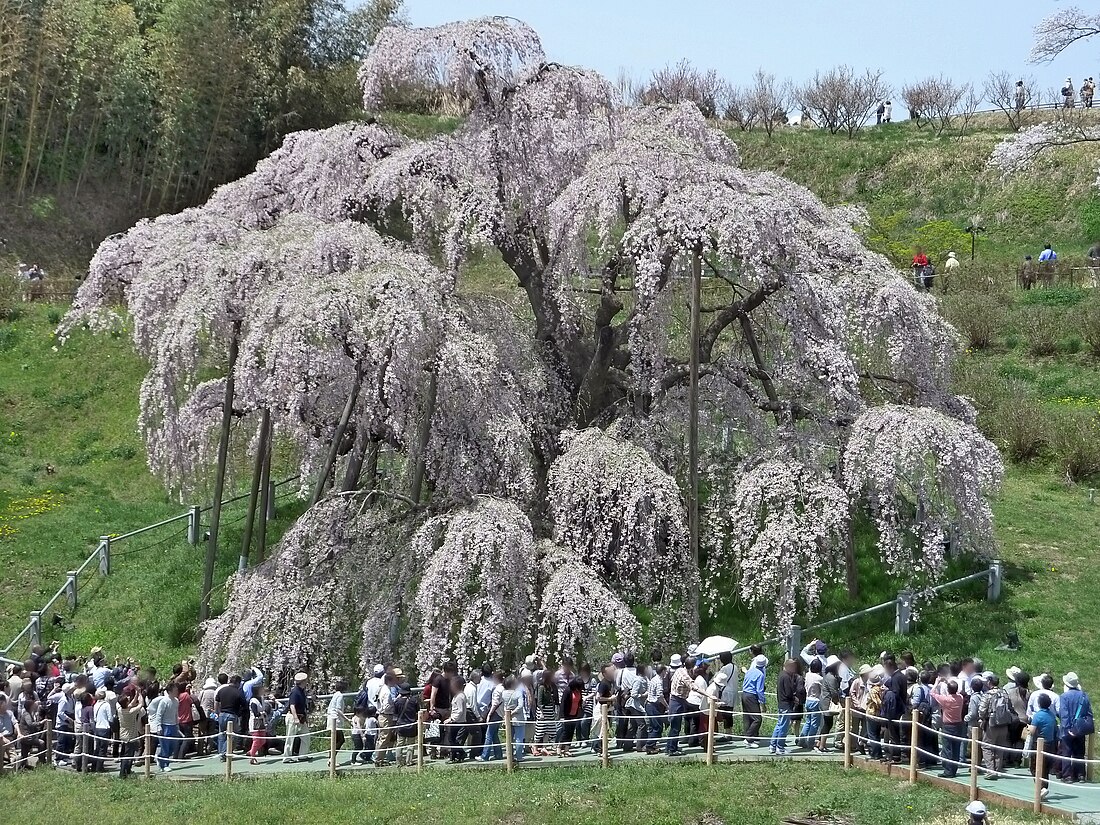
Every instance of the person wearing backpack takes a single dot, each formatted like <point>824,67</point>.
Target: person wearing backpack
<point>1076,721</point>
<point>997,716</point>
<point>920,699</point>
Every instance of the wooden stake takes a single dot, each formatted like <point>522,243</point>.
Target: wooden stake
<point>1090,755</point>
<point>848,732</point>
<point>712,718</point>
<point>914,732</point>
<point>420,741</point>
<point>49,742</point>
<point>605,738</point>
<point>332,749</point>
<point>228,751</point>
<point>509,749</point>
<point>1040,758</point>
<point>148,751</point>
<point>975,757</point>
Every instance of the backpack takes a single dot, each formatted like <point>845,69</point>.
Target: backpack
<point>1066,91</point>
<point>1002,713</point>
<point>924,705</point>
<point>362,699</point>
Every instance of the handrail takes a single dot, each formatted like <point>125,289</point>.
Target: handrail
<point>95,556</point>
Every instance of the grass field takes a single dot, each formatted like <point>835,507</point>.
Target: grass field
<point>655,794</point>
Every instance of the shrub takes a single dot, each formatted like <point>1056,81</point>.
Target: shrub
<point>11,296</point>
<point>1075,442</point>
<point>1088,322</point>
<point>53,316</point>
<point>1042,329</point>
<point>1059,296</point>
<point>979,318</point>
<point>1021,425</point>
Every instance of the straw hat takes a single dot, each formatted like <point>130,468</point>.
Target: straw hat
<point>301,676</point>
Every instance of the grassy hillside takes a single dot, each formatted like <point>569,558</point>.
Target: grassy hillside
<point>72,468</point>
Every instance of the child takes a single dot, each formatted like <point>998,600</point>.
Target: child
<point>257,724</point>
<point>358,735</point>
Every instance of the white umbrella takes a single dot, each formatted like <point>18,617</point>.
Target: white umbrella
<point>713,645</point>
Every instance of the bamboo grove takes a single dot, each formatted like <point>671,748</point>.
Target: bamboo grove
<point>168,98</point>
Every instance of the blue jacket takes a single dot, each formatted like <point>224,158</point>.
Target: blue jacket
<point>1068,705</point>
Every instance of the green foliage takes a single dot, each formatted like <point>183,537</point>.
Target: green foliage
<point>44,208</point>
<point>1088,215</point>
<point>1059,296</point>
<point>938,238</point>
<point>979,317</point>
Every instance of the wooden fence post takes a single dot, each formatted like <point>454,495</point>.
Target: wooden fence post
<point>148,751</point>
<point>1040,759</point>
<point>848,731</point>
<point>332,749</point>
<point>975,758</point>
<point>49,742</point>
<point>1090,755</point>
<point>229,751</point>
<point>712,719</point>
<point>914,732</point>
<point>420,741</point>
<point>509,748</point>
<point>605,737</point>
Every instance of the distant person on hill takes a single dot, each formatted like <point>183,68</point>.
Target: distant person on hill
<point>1027,272</point>
<point>1021,96</point>
<point>1086,95</point>
<point>1047,258</point>
<point>879,113</point>
<point>888,111</point>
<point>921,269</point>
<point>951,268</point>
<point>1067,94</point>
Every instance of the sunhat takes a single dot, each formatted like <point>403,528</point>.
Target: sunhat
<point>210,684</point>
<point>864,670</point>
<point>675,661</point>
<point>301,676</point>
<point>760,661</point>
<point>832,660</point>
<point>1070,680</point>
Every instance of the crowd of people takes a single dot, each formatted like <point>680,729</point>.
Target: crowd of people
<point>99,711</point>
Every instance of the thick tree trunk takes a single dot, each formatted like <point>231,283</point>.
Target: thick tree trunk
<point>425,434</point>
<point>355,460</point>
<point>219,481</point>
<point>254,492</point>
<point>338,436</point>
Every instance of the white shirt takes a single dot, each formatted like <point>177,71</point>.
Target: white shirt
<point>1033,702</point>
<point>336,711</point>
<point>470,692</point>
<point>695,698</point>
<point>813,686</point>
<point>104,714</point>
<point>374,684</point>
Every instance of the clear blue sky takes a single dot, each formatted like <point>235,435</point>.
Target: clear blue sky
<point>963,39</point>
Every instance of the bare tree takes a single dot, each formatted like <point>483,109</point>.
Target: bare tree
<point>935,100</point>
<point>629,88</point>
<point>769,100</point>
<point>968,107</point>
<point>839,99</point>
<point>821,98</point>
<point>861,96</point>
<point>684,82</point>
<point>736,106</point>
<point>1010,96</point>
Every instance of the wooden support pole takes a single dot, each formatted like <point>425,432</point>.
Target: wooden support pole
<point>1040,759</point>
<point>254,491</point>
<point>1090,755</point>
<point>914,734</point>
<point>712,720</point>
<point>975,758</point>
<point>420,741</point>
<point>332,749</point>
<point>693,405</point>
<point>229,746</point>
<point>605,737</point>
<point>49,742</point>
<point>338,437</point>
<point>148,751</point>
<point>848,731</point>
<point>509,747</point>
